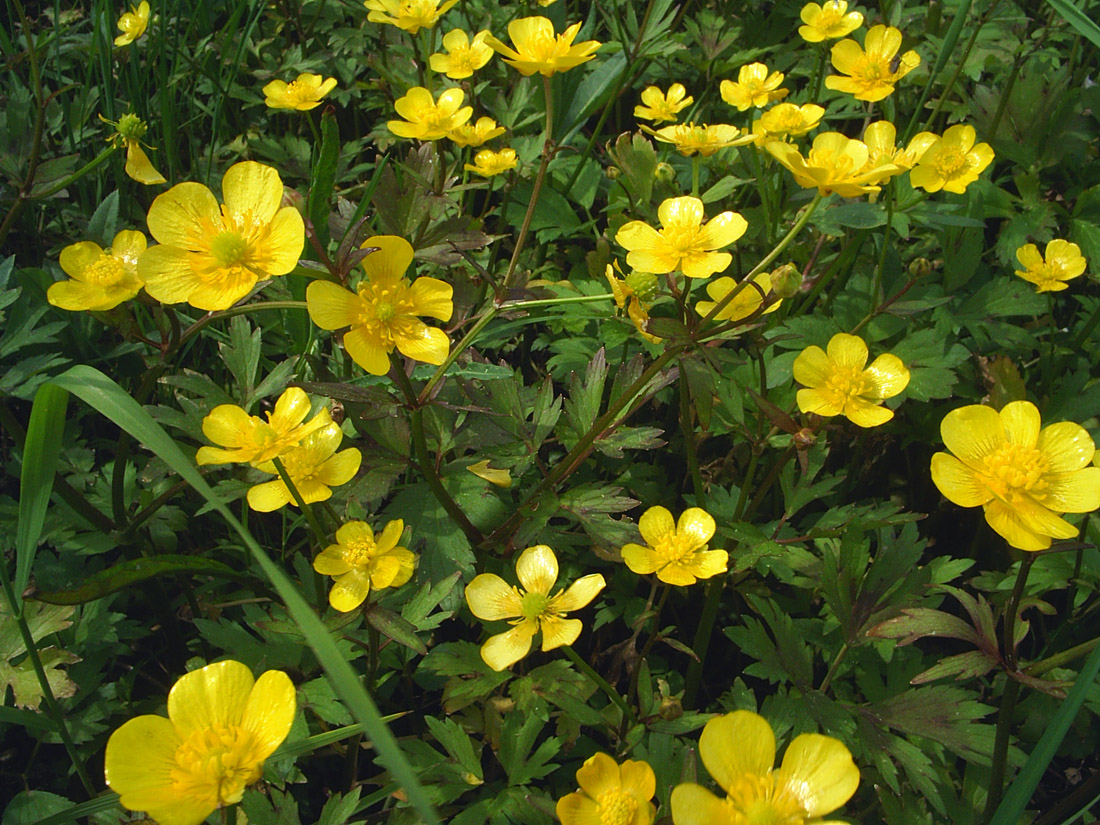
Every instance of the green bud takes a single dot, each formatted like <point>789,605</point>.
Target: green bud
<point>644,284</point>
<point>664,172</point>
<point>131,127</point>
<point>786,281</point>
<point>920,268</point>
<point>613,172</point>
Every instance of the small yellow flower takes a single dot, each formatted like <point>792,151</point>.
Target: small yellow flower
<point>383,312</point>
<point>676,551</point>
<point>786,120</point>
<point>410,15</point>
<point>488,163</point>
<point>1023,477</point>
<point>490,598</point>
<point>129,131</point>
<point>952,162</point>
<point>828,21</point>
<point>427,119</point>
<point>538,49</point>
<point>475,134</point>
<point>222,724</point>
<point>634,293</point>
<point>101,278</point>
<point>359,561</point>
<point>133,24</point>
<point>744,303</point>
<point>835,163</point>
<point>248,439</point>
<point>755,87</point>
<point>610,793</point>
<point>816,777</point>
<point>879,138</point>
<point>684,242</point>
<point>302,94</point>
<point>838,384</point>
<point>659,106</point>
<point>481,469</point>
<point>464,56</point>
<point>1062,261</point>
<point>706,140</point>
<point>872,71</point>
<point>211,256</point>
<point>313,466</point>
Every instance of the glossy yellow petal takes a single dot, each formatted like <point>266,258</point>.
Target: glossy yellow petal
<point>736,744</point>
<point>682,211</point>
<point>1073,492</point>
<point>847,351</point>
<point>819,771</point>
<point>702,264</point>
<point>139,760</point>
<point>76,258</point>
<point>694,805</point>
<point>817,402</point>
<point>367,351</point>
<point>331,561</point>
<point>431,297</point>
<point>331,306</point>
<point>811,368</point>
<point>599,775</point>
<point>958,483</point>
<point>481,469</point>
<point>286,237</point>
<point>557,631</point>
<point>864,413</point>
<point>181,216</point>
<point>705,564</point>
<point>537,569</point>
<point>579,593</point>
<point>291,409</point>
<point>490,598</point>
<point>139,167</point>
<point>637,779</point>
<point>888,376</point>
<point>972,433</point>
<point>269,711</point>
<point>392,259</point>
<point>167,273</point>
<point>76,296</point>
<point>1021,423</point>
<point>578,809</point>
<point>1066,446</point>
<point>417,340</point>
<point>679,573</point>
<point>641,560</point>
<point>1029,256</point>
<point>656,523</point>
<point>1010,526</point>
<point>228,425</point>
<point>505,649</point>
<point>349,590</point>
<point>697,525</point>
<point>224,292</point>
<point>722,230</point>
<point>252,189</point>
<point>268,497</point>
<point>341,468</point>
<point>846,56</point>
<point>1038,518</point>
<point>213,695</point>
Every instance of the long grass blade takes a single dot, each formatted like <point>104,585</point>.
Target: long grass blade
<point>1078,19</point>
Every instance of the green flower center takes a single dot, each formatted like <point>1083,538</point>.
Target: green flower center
<point>107,271</point>
<point>1013,469</point>
<point>617,808</point>
<point>216,763</point>
<point>131,127</point>
<point>534,605</point>
<point>228,249</point>
<point>263,434</point>
<point>757,800</point>
<point>644,285</point>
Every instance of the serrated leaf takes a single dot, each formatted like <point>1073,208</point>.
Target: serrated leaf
<point>962,666</point>
<point>469,678</point>
<point>457,743</point>
<point>395,627</point>
<point>917,622</point>
<point>943,714</point>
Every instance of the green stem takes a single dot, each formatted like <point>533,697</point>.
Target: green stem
<point>952,37</point>
<point>1063,658</point>
<point>819,72</point>
<point>687,431</point>
<point>833,668</point>
<point>79,173</point>
<point>655,624</point>
<point>701,642</point>
<point>876,287</point>
<point>311,517</point>
<point>695,175</point>
<point>200,324</point>
<point>598,681</point>
<point>1011,608</point>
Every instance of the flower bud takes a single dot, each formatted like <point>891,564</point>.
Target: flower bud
<point>671,708</point>
<point>644,284</point>
<point>613,172</point>
<point>786,281</point>
<point>920,268</point>
<point>664,172</point>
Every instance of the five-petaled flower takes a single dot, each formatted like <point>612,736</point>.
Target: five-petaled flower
<point>211,256</point>
<point>538,49</point>
<point>426,118</point>
<point>610,793</point>
<point>463,56</point>
<point>360,560</point>
<point>837,382</point>
<point>248,439</point>
<point>101,278</point>
<point>683,242</point>
<point>1061,262</point>
<point>747,301</point>
<point>133,24</point>
<point>872,71</point>
<point>816,777</point>
<point>1022,476</point>
<point>129,131</point>
<point>222,724</point>
<point>676,550</point>
<point>634,293</point>
<point>488,163</point>
<point>786,120</point>
<point>879,137</point>
<point>828,21</point>
<point>689,138</point>
<point>835,163</point>
<point>382,312</point>
<point>314,467</point>
<point>410,15</point>
<point>660,106</point>
<point>475,134</point>
<point>952,162</point>
<point>755,87</point>
<point>530,610</point>
<point>302,94</point>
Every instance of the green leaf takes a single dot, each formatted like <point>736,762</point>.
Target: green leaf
<point>470,679</point>
<point>101,804</point>
<point>242,355</point>
<point>323,177</point>
<point>943,714</point>
<point>339,808</point>
<point>918,622</point>
<point>591,93</point>
<point>101,227</point>
<point>1078,19</point>
<point>453,737</point>
<point>393,626</point>
<point>132,572</point>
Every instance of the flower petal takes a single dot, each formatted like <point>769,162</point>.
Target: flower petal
<point>431,297</point>
<point>958,483</point>
<point>417,340</point>
<point>77,257</point>
<point>637,779</point>
<point>270,711</point>
<point>490,598</point>
<point>291,409</point>
<point>655,523</point>
<point>599,775</point>
<point>722,230</point>
<point>284,241</point>
<point>737,744</point>
<point>213,695</point>
<point>349,590</point>
<point>811,368</point>
<point>1021,423</point>
<point>847,351</point>
<point>1008,524</point>
<point>393,256</point>
<point>641,560</point>
<point>820,772</point>
<point>167,273</point>
<point>367,351</point>
<point>696,524</point>
<point>183,216</point>
<point>579,594</point>
<point>269,496</point>
<point>694,805</point>
<point>139,760</point>
<point>1066,446</point>
<point>340,469</point>
<point>557,631</point>
<point>331,561</point>
<point>537,569</point>
<point>864,413</point>
<point>331,306</point>
<point>578,809</point>
<point>505,649</point>
<point>972,433</point>
<point>817,401</point>
<point>253,191</point>
<point>889,376</point>
<point>1077,491</point>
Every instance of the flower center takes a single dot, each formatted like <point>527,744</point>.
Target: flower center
<point>829,17</point>
<point>300,92</point>
<point>673,547</point>
<point>949,161</point>
<point>216,763</point>
<point>359,553</point>
<point>1013,469</point>
<point>846,382</point>
<point>131,127</point>
<point>107,271</point>
<point>756,800</point>
<point>617,808</point>
<point>533,605</point>
<point>543,47</point>
<point>874,70</point>
<point>301,465</point>
<point>228,249</point>
<point>263,434</point>
<point>423,12</point>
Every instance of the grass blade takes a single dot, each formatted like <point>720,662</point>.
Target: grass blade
<point>1078,19</point>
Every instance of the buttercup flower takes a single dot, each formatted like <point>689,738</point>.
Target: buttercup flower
<point>1022,476</point>
<point>426,119</point>
<point>683,243</point>
<point>610,794</point>
<point>872,70</point>
<point>706,140</point>
<point>383,312</point>
<point>129,131</point>
<point>222,724</point>
<point>786,120</point>
<point>302,94</point>
<point>676,551</point>
<point>754,87</point>
<point>211,256</point>
<point>879,138</point>
<point>359,561</point>
<point>816,777</point>
<point>659,106</point>
<point>838,384</point>
<point>1063,261</point>
<point>634,293</point>
<point>475,134</point>
<point>410,15</point>
<point>488,163</point>
<point>248,439</point>
<point>744,303</point>
<point>490,598</point>
<point>133,24</point>
<point>538,49</point>
<point>952,162</point>
<point>464,56</point>
<point>313,466</point>
<point>481,469</point>
<point>828,21</point>
<point>101,278</point>
<point>835,163</point>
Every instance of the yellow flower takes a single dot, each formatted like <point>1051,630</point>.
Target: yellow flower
<point>1023,477</point>
<point>359,561</point>
<point>659,106</point>
<point>410,15</point>
<point>872,70</point>
<point>302,94</point>
<point>684,242</point>
<point>475,134</point>
<point>383,312</point>
<point>101,278</point>
<point>816,777</point>
<point>129,131</point>
<point>952,162</point>
<point>610,794</point>
<point>634,293</point>
<point>1063,260</point>
<point>211,256</point>
<point>744,303</point>
<point>132,24</point>
<point>676,551</point>
<point>538,49</point>
<point>248,439</point>
<point>838,384</point>
<point>313,466</point>
<point>828,21</point>
<point>481,469</point>
<point>835,163</point>
<point>425,118</point>
<point>706,140</point>
<point>463,57</point>
<point>879,138</point>
<point>222,724</point>
<point>490,598</point>
<point>786,120</point>
<point>754,87</point>
<point>488,163</point>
